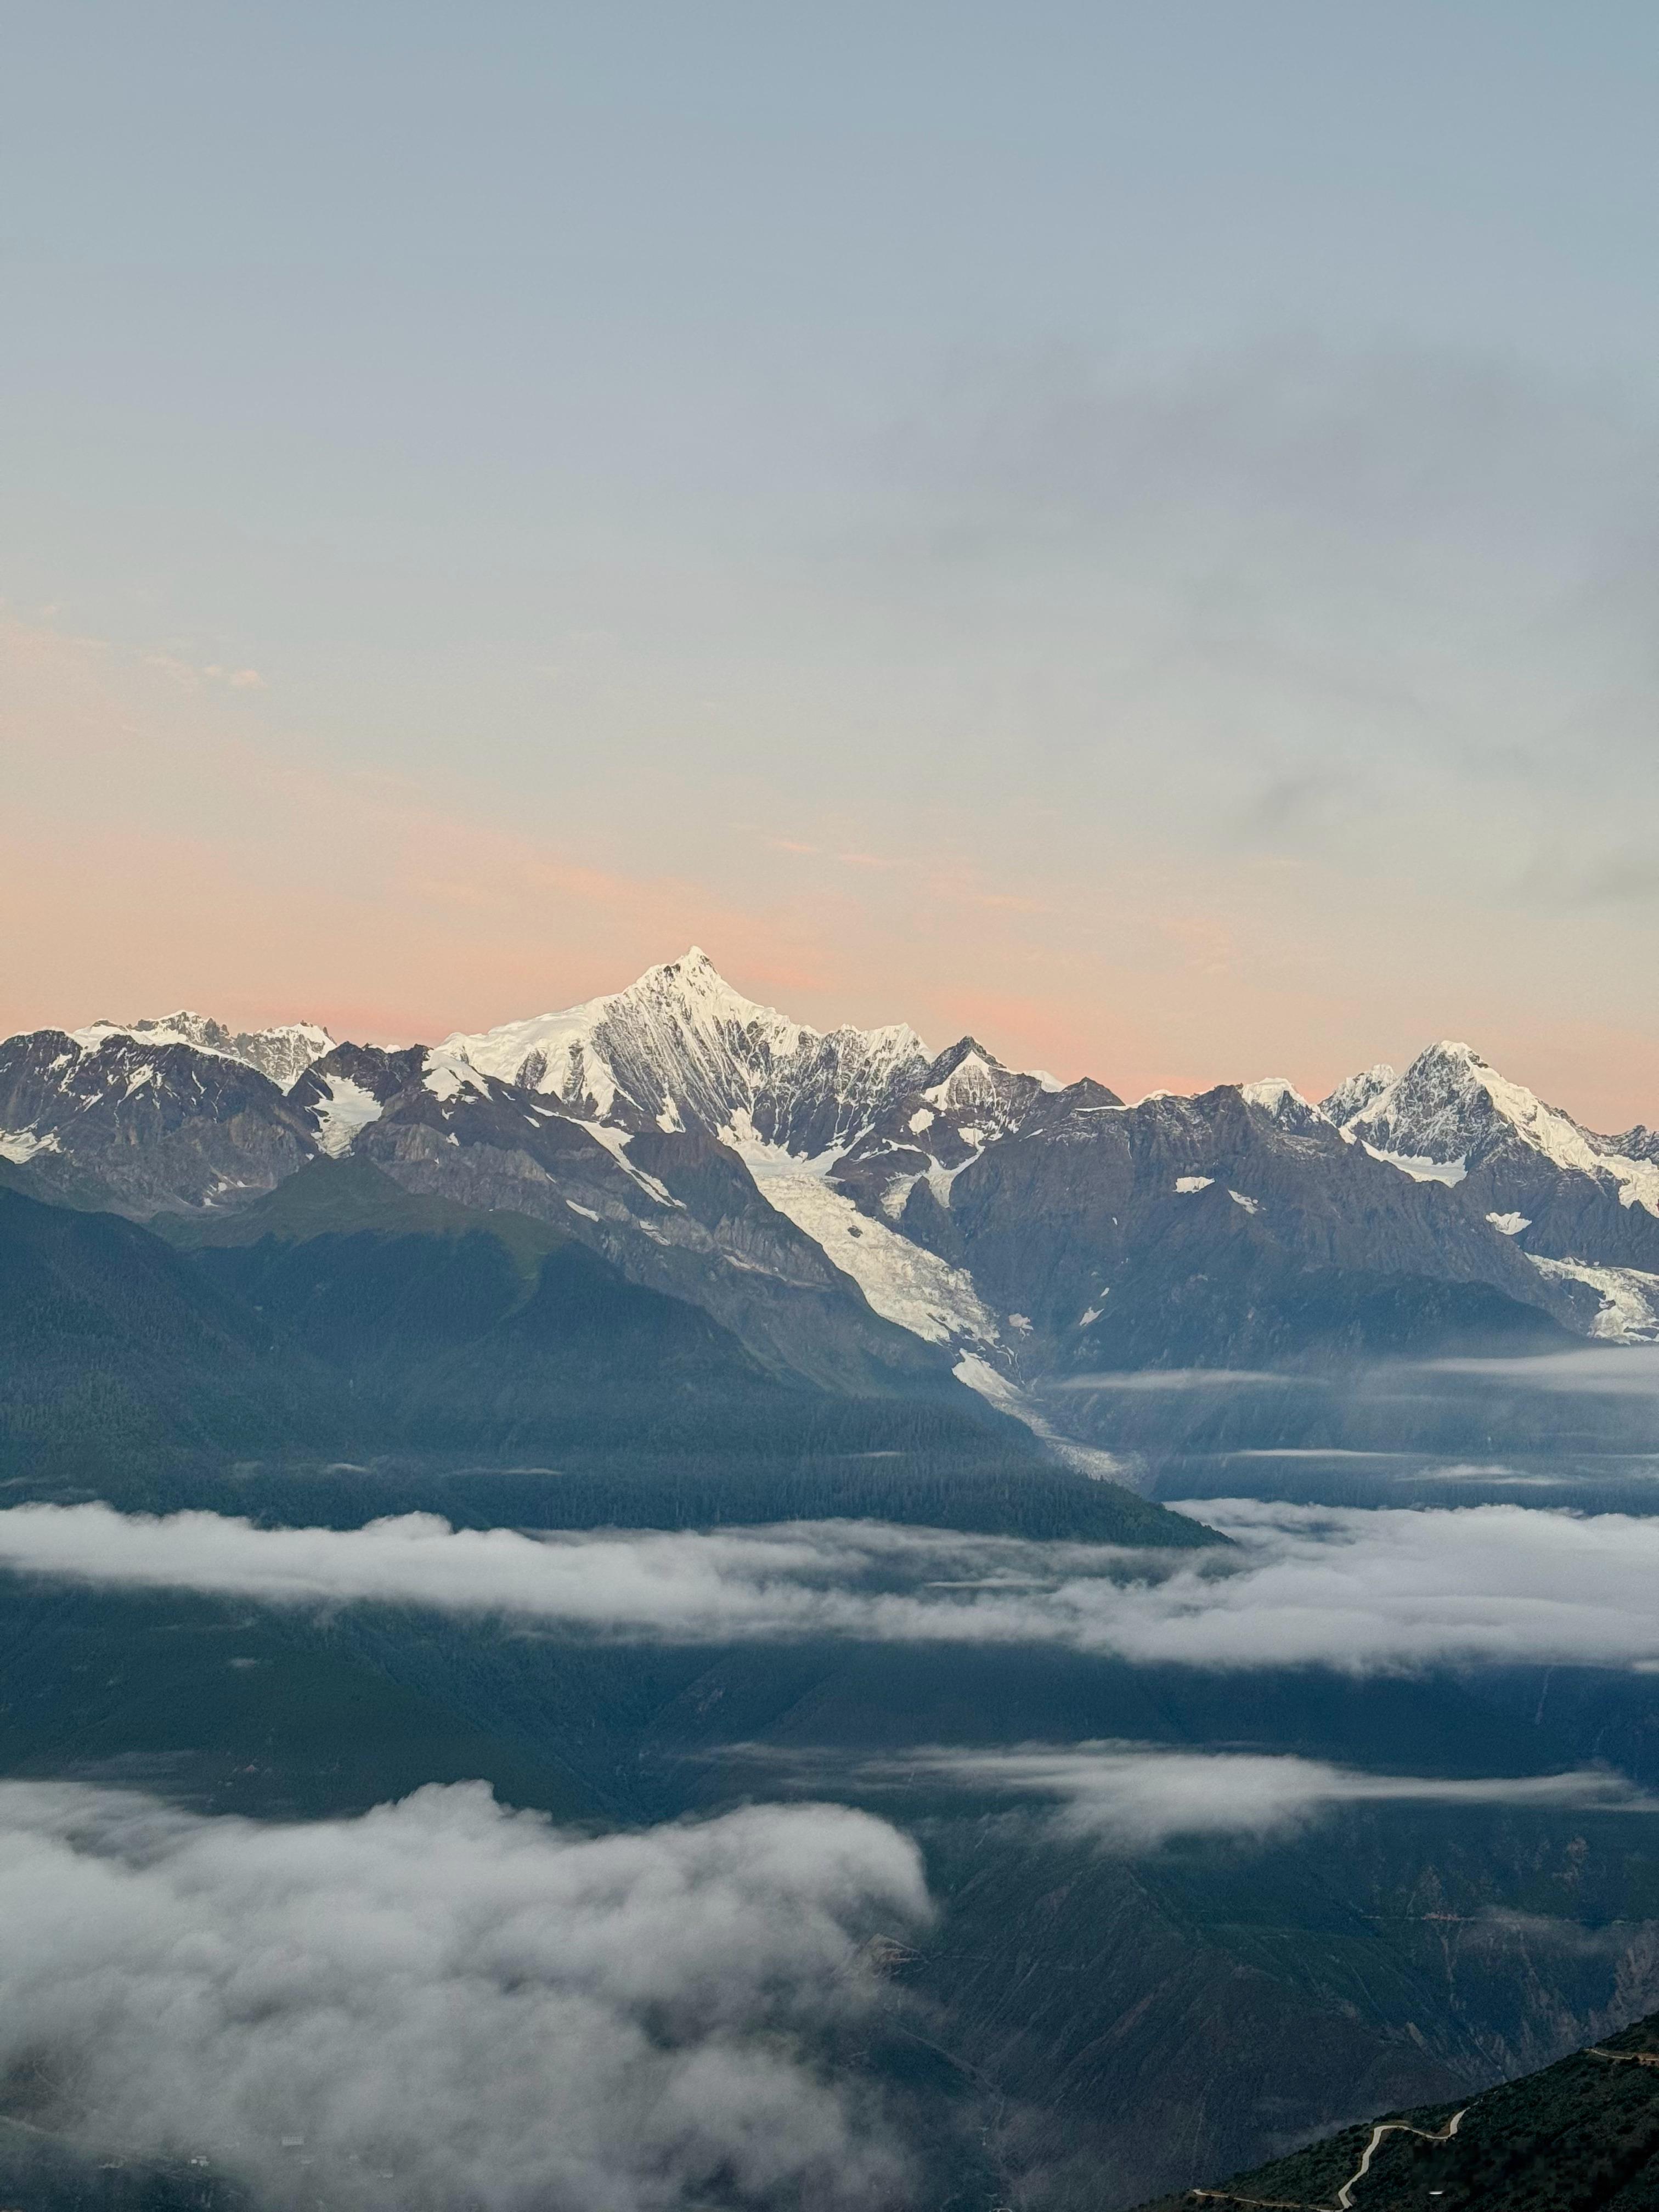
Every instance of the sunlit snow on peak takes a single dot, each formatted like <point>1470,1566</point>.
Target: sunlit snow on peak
<point>681,1049</point>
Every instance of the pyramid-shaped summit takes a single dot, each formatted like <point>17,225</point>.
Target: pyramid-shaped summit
<point>681,1049</point>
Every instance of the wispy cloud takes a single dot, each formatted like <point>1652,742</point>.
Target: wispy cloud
<point>1159,1379</point>
<point>298,859</point>
<point>194,676</point>
<point>395,907</point>
<point>1136,1796</point>
<point>442,2001</point>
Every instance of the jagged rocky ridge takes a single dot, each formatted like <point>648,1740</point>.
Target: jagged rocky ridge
<point>870,1216</point>
<point>1566,1193</point>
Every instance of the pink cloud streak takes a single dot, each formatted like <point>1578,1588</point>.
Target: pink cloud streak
<point>167,846</point>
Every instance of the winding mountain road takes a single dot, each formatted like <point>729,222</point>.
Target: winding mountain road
<point>1345,2195</point>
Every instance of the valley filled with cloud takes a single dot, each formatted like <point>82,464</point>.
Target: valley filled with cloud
<point>1357,1590</point>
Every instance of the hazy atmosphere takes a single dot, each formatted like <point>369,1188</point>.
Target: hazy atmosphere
<point>1131,533</point>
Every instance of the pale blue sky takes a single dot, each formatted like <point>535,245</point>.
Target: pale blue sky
<point>1162,501</point>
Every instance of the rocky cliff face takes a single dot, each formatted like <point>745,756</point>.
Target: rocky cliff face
<point>1131,1203</point>
<point>283,1053</point>
<point>1561,1191</point>
<point>674,1210</point>
<point>160,1127</point>
<point>903,1163</point>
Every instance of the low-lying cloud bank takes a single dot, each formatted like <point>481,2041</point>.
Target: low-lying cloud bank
<point>442,2003</point>
<point>1622,1371</point>
<point>1360,1590</point>
<point>1135,1796</point>
<point>1628,1371</point>
<point>1191,1379</point>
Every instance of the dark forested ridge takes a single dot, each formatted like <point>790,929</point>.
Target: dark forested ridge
<point>344,1320</point>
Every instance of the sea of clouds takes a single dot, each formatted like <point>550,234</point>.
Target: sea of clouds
<point>443,2000</point>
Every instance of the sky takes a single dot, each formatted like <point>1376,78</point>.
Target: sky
<point>1130,531</point>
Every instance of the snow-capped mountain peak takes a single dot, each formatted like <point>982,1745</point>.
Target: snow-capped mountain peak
<point>959,1105</point>
<point>282,1053</point>
<point>969,1076</point>
<point>1451,1110</point>
<point>681,1049</point>
<point>1352,1098</point>
<point>1449,1103</point>
<point>1279,1099</point>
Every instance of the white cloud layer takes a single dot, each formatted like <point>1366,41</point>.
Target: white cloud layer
<point>1359,1590</point>
<point>1135,1797</point>
<point>451,2003</point>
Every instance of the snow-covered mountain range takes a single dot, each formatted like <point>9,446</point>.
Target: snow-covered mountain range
<point>865,1213</point>
<point>283,1053</point>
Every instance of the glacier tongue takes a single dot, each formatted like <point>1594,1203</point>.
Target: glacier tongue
<point>1629,1296</point>
<point>1422,1168</point>
<point>901,1281</point>
<point>344,1108</point>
